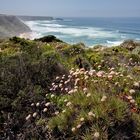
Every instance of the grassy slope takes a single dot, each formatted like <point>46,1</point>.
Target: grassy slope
<point>53,90</point>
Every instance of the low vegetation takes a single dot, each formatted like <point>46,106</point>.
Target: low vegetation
<point>52,90</point>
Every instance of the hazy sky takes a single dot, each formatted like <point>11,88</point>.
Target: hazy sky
<point>72,8</point>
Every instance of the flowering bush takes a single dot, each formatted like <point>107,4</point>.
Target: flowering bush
<point>46,95</point>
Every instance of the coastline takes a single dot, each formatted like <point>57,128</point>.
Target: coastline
<point>33,35</point>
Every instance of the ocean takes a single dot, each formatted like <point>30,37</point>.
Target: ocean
<point>91,31</point>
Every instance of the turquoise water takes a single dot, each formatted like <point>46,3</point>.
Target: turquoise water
<point>91,31</point>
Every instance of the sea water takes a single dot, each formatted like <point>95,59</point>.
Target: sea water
<point>91,31</point>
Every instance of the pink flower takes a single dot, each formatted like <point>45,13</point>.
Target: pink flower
<point>100,73</point>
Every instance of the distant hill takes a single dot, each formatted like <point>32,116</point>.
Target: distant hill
<point>12,26</point>
<point>29,18</point>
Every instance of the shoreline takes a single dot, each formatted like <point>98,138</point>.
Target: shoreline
<point>31,36</point>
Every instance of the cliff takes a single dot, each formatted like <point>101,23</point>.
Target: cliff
<point>12,26</point>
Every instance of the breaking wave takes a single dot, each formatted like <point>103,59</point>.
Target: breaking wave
<point>76,33</point>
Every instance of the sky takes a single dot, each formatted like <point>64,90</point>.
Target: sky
<point>72,8</point>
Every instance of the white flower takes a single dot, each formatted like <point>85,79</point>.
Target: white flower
<point>91,114</point>
<point>65,82</point>
<point>76,87</point>
<point>99,66</point>
<point>56,113</point>
<point>63,77</point>
<point>57,78</point>
<point>103,98</point>
<point>132,101</point>
<point>129,97</point>
<point>75,90</point>
<point>110,77</point>
<point>63,111</point>
<point>78,126</point>
<point>69,76</point>
<point>70,92</point>
<point>34,114</point>
<point>52,95</point>
<point>89,94</point>
<point>38,104</point>
<point>45,110</point>
<point>60,85</point>
<point>130,77</point>
<point>56,86</point>
<point>68,104</point>
<point>112,73</point>
<point>117,83</point>
<point>96,135</point>
<point>86,72</point>
<point>112,69</point>
<point>0,50</point>
<point>73,129</point>
<point>65,100</point>
<point>92,72</point>
<point>53,84</point>
<point>86,77</point>
<point>47,104</point>
<point>85,89</point>
<point>82,119</point>
<point>131,91</point>
<point>76,81</point>
<point>82,69</point>
<point>51,89</point>
<point>136,84</point>
<point>28,117</point>
<point>32,104</point>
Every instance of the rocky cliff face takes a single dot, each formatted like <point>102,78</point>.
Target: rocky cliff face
<point>12,26</point>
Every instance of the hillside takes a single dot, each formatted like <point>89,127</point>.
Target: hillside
<point>51,90</point>
<point>11,26</point>
<point>32,18</point>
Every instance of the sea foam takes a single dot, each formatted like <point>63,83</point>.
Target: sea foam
<point>73,33</point>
